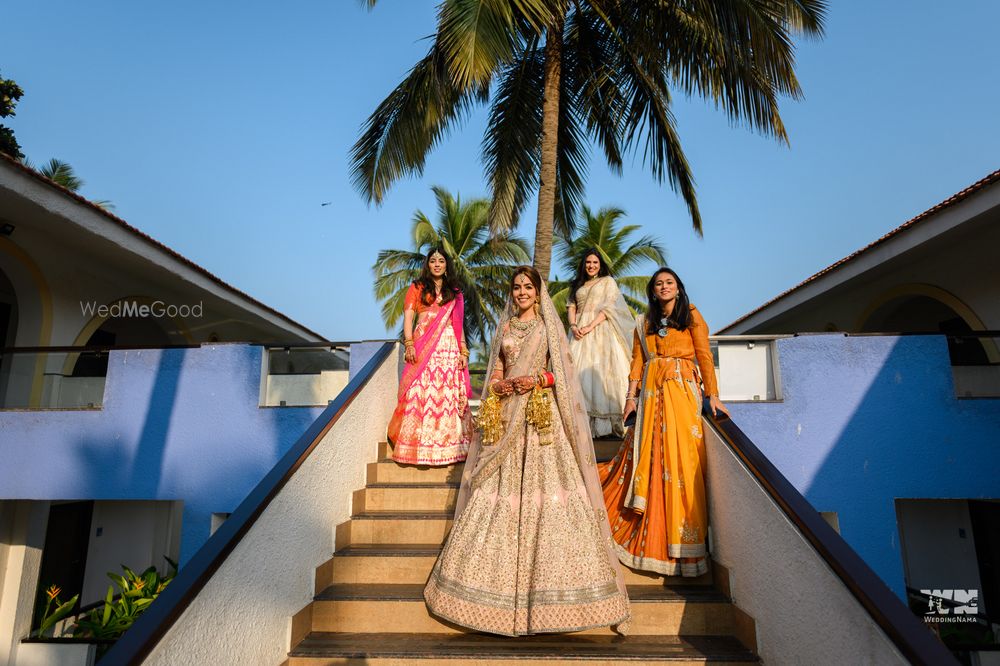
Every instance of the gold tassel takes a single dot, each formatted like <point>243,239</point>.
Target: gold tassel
<point>538,413</point>
<point>489,419</point>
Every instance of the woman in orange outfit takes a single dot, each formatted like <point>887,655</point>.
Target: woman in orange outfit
<point>654,488</point>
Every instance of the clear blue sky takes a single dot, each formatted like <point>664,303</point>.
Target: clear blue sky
<point>220,128</point>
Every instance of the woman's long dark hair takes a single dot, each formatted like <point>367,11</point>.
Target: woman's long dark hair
<point>581,272</point>
<point>449,284</point>
<point>680,318</point>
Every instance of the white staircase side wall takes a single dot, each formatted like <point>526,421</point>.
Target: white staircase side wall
<point>804,613</point>
<point>243,614</point>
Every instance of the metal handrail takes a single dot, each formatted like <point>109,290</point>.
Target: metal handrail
<point>321,344</point>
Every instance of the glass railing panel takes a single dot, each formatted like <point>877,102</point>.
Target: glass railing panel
<point>304,376</point>
<point>975,364</point>
<point>31,379</point>
<point>747,367</point>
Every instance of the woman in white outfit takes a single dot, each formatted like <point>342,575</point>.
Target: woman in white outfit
<point>600,346</point>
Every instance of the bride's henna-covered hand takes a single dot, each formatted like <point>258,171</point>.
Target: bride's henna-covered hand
<point>502,387</point>
<point>524,383</point>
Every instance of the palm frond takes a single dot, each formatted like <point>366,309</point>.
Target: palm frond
<point>512,143</point>
<point>408,124</point>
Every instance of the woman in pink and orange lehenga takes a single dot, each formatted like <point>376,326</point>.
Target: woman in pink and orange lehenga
<point>431,423</point>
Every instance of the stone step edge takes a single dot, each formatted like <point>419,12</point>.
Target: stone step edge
<point>414,592</point>
<point>376,646</point>
<point>413,484</point>
<point>403,515</point>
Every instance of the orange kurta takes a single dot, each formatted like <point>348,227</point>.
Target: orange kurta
<point>654,488</point>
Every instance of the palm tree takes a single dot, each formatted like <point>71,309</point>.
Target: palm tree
<point>619,252</point>
<point>62,173</point>
<point>569,73</point>
<point>482,263</point>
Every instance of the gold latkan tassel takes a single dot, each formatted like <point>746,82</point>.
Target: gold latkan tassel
<point>538,413</point>
<point>489,419</point>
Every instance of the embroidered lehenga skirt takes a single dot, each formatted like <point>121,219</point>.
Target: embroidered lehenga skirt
<point>431,425</point>
<point>662,527</point>
<point>526,555</point>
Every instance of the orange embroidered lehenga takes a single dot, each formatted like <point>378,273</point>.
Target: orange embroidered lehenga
<point>654,487</point>
<point>432,422</point>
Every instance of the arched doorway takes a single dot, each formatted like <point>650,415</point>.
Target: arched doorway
<point>928,309</point>
<point>120,332</point>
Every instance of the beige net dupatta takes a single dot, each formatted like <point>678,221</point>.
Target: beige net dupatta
<point>546,347</point>
<point>608,298</point>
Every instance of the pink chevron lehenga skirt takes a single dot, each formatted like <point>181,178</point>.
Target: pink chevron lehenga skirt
<point>432,422</point>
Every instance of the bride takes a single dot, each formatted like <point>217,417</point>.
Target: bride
<point>530,550</point>
<point>601,346</point>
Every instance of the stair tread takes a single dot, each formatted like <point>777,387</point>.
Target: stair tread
<point>482,646</point>
<point>414,484</point>
<point>397,514</point>
<point>389,550</point>
<point>415,592</point>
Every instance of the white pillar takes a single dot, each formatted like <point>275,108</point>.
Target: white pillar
<point>22,526</point>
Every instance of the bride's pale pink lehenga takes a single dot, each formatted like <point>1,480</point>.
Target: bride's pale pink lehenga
<point>530,550</point>
<point>432,421</point>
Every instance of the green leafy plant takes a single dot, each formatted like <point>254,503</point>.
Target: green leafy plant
<point>55,609</point>
<point>119,612</point>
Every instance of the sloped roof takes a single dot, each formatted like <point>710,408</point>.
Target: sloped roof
<point>155,243</point>
<point>906,226</point>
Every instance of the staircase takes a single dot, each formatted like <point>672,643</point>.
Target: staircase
<point>369,607</point>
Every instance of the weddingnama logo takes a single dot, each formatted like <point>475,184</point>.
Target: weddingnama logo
<point>951,606</point>
<point>136,309</point>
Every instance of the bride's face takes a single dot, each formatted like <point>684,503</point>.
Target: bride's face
<point>525,295</point>
<point>592,265</point>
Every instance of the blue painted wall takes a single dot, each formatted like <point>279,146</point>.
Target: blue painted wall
<point>179,424</point>
<point>869,419</point>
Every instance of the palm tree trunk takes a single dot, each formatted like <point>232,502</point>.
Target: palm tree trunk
<point>550,146</point>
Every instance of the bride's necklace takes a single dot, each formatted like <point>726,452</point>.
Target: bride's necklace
<point>522,328</point>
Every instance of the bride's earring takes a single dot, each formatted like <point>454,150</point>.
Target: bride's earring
<point>536,309</point>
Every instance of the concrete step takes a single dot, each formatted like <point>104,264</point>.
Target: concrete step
<point>373,564</point>
<point>387,471</point>
<point>656,610</point>
<point>397,649</point>
<point>406,497</point>
<point>605,449</point>
<point>395,527</point>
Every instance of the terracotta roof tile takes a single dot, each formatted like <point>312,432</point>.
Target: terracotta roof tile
<point>909,224</point>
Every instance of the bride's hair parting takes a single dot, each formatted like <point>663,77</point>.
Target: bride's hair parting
<point>532,274</point>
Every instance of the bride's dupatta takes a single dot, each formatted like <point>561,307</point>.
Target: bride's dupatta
<point>546,346</point>
<point>451,314</point>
